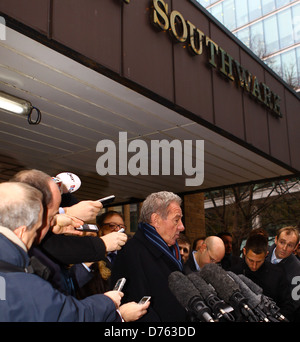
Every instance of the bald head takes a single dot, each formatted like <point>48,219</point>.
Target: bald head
<point>211,251</point>
<point>216,247</point>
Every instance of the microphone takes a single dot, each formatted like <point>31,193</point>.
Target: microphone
<point>67,182</point>
<point>188,296</point>
<point>209,295</point>
<point>228,290</point>
<point>253,286</point>
<point>270,306</point>
<point>254,300</point>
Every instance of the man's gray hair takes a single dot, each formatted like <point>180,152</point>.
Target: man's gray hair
<point>158,202</point>
<point>20,205</point>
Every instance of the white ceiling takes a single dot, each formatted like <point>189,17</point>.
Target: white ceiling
<point>80,107</point>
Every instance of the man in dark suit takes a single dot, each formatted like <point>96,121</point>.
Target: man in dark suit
<point>281,255</point>
<point>151,255</point>
<point>271,279</point>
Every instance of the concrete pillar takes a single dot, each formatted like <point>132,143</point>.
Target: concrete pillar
<point>194,216</point>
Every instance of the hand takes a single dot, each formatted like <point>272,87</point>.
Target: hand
<point>65,224</point>
<point>133,311</point>
<point>85,210</point>
<point>115,296</point>
<point>114,241</point>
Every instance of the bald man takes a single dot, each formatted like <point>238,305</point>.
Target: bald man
<point>212,251</point>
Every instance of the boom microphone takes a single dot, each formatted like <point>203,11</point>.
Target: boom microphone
<point>209,295</point>
<point>228,290</point>
<point>188,296</point>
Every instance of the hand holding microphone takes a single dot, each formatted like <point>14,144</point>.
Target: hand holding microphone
<point>114,241</point>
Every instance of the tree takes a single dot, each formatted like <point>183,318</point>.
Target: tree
<point>239,209</point>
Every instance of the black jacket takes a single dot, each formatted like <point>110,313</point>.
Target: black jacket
<point>146,270</point>
<point>273,283</point>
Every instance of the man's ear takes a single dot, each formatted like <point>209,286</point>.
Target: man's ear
<point>20,231</point>
<point>244,251</point>
<point>203,247</point>
<point>155,220</point>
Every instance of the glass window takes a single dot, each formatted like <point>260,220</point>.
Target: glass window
<point>298,64</point>
<point>241,7</point>
<point>271,34</point>
<point>243,36</point>
<point>289,67</point>
<point>296,22</point>
<point>213,1</point>
<point>280,3</point>
<point>204,3</point>
<point>286,28</point>
<point>229,14</point>
<point>268,6</point>
<point>257,39</point>
<point>254,9</point>
<point>275,64</point>
<point>217,11</point>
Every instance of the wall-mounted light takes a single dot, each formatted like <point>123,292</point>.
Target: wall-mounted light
<point>19,106</point>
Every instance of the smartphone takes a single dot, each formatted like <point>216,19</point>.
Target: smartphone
<point>107,200</point>
<point>144,300</point>
<point>88,228</point>
<point>120,284</point>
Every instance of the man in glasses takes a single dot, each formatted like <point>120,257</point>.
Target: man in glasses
<point>211,251</point>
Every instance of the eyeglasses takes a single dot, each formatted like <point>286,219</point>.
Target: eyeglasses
<point>114,226</point>
<point>212,260</point>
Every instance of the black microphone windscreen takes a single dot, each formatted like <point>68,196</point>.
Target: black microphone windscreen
<point>182,288</point>
<point>220,280</point>
<point>253,299</point>
<point>253,286</point>
<point>201,285</point>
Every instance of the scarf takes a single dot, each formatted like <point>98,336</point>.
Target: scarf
<point>171,252</point>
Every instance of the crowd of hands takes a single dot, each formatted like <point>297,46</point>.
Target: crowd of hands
<point>86,212</point>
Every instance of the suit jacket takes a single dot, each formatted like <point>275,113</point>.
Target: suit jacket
<point>146,270</point>
<point>273,283</point>
<point>189,266</point>
<point>290,265</point>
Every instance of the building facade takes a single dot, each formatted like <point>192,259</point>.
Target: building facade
<point>133,73</point>
<point>270,28</point>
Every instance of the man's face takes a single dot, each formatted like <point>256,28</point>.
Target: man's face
<point>285,245</point>
<point>184,249</point>
<point>227,243</point>
<point>253,260</point>
<point>170,227</point>
<point>51,211</point>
